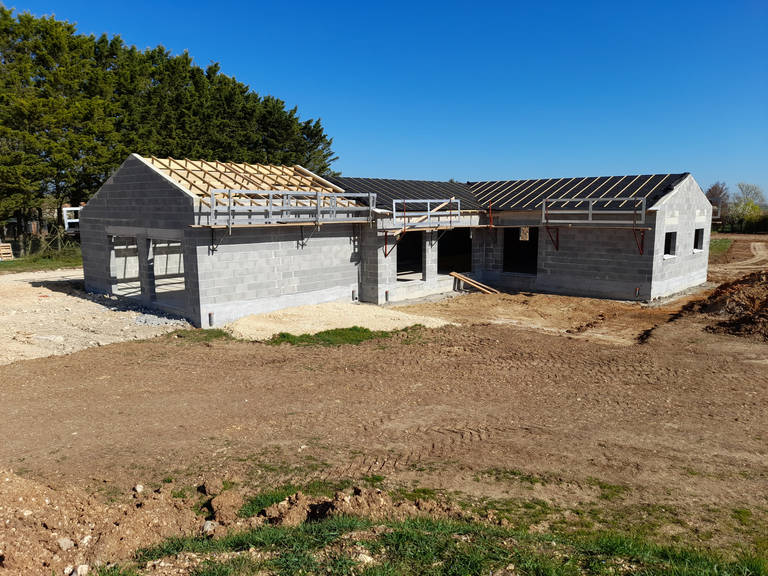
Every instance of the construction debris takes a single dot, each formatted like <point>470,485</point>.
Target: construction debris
<point>474,283</point>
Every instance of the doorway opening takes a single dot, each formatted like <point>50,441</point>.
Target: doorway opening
<point>410,261</point>
<point>454,251</point>
<point>521,250</point>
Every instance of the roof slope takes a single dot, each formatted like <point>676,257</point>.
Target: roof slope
<point>200,176</point>
<point>529,194</point>
<point>387,190</point>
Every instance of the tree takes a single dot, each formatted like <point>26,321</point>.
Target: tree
<point>744,208</point>
<point>749,192</point>
<point>718,195</point>
<point>73,106</point>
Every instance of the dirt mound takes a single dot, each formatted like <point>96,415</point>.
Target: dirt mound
<point>319,317</point>
<point>47,531</point>
<point>741,306</point>
<point>369,503</point>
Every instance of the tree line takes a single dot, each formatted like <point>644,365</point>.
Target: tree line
<point>72,107</point>
<point>741,210</point>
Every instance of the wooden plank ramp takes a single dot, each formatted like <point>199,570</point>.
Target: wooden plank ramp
<point>474,283</point>
<point>6,253</point>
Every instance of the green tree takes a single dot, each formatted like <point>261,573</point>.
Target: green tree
<point>72,107</point>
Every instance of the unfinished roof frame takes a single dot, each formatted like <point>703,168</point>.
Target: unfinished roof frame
<point>236,197</point>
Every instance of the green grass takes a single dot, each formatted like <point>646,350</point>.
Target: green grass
<point>115,571</point>
<point>66,258</point>
<point>179,493</point>
<point>719,246</point>
<point>419,493</point>
<point>266,498</point>
<point>609,491</point>
<point>335,337</point>
<point>742,515</point>
<point>445,547</point>
<point>195,335</point>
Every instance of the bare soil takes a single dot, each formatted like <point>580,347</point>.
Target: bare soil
<point>551,399</point>
<point>747,253</point>
<point>739,307</point>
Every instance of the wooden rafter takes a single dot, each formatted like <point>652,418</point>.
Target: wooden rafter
<point>201,176</point>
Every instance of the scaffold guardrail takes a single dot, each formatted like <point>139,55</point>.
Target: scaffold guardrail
<point>425,213</point>
<point>263,207</point>
<point>596,211</point>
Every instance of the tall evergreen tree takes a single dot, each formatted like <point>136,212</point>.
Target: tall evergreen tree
<point>72,107</point>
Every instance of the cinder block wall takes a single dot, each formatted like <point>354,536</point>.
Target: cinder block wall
<point>136,202</point>
<point>596,262</point>
<point>378,265</point>
<point>683,211</point>
<point>265,269</point>
<point>588,262</point>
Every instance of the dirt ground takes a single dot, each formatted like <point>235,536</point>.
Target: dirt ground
<point>45,313</point>
<point>545,398</point>
<point>748,253</point>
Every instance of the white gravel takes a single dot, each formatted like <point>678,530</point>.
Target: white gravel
<point>48,313</point>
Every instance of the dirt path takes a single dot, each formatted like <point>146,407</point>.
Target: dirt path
<point>747,253</point>
<point>49,313</point>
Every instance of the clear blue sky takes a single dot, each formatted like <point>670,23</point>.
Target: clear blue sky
<point>474,90</point>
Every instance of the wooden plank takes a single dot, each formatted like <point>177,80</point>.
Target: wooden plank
<point>474,283</point>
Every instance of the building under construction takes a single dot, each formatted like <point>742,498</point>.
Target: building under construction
<point>215,241</point>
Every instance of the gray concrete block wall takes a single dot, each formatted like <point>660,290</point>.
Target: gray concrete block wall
<point>378,265</point>
<point>487,252</point>
<point>595,262</point>
<point>264,269</point>
<point>682,211</point>
<point>136,201</point>
<point>429,257</point>
<point>589,262</point>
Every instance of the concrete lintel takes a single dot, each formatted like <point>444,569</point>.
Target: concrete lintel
<point>154,233</point>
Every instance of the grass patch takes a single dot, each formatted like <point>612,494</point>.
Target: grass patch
<point>288,541</point>
<point>335,337</point>
<point>266,498</point>
<point>446,547</point>
<point>608,491</point>
<point>418,493</point>
<point>65,258</point>
<point>718,246</point>
<point>374,480</point>
<point>196,335</point>
<point>742,515</point>
<point>115,571</point>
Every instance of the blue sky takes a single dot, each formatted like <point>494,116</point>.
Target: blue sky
<point>476,90</point>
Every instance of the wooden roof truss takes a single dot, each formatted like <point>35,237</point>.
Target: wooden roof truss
<point>238,194</point>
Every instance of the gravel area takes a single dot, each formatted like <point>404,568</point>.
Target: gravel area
<point>49,313</point>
